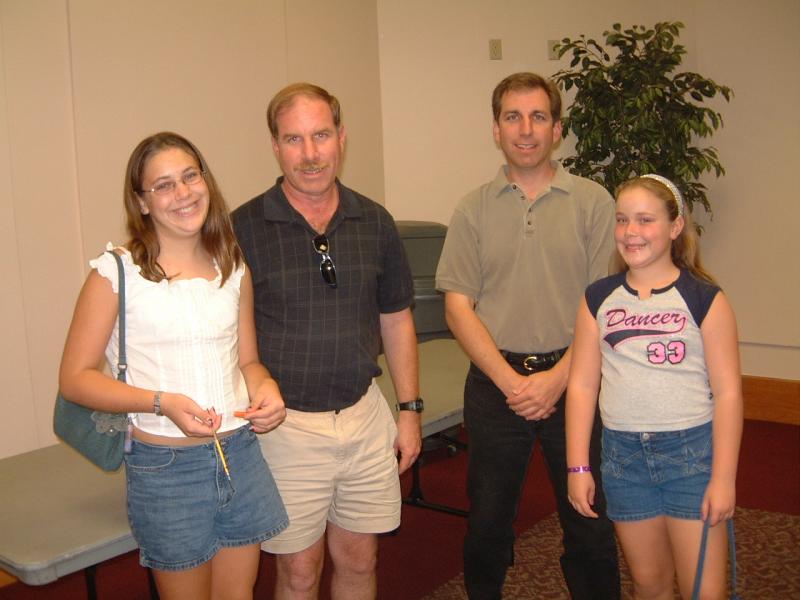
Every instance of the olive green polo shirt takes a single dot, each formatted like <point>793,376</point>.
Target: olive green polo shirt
<point>527,263</point>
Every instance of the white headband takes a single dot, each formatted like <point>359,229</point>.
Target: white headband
<point>671,187</point>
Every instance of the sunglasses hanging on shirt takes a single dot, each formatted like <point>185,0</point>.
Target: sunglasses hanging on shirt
<point>326,266</point>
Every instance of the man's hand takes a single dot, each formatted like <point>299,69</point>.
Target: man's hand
<point>534,396</point>
<point>408,442</point>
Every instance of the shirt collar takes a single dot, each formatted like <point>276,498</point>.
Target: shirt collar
<point>561,180</point>
<point>277,208</point>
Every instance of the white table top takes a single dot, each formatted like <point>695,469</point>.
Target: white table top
<point>59,514</point>
<point>442,371</point>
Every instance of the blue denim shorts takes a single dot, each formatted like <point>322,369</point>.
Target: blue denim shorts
<point>182,508</point>
<point>661,473</point>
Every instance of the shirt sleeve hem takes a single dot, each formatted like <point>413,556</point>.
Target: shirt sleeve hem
<point>445,285</point>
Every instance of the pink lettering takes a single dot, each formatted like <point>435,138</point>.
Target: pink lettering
<point>669,322</point>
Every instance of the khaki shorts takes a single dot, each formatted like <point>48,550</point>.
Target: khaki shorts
<point>335,467</point>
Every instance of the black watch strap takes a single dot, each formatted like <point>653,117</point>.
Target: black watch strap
<point>416,405</point>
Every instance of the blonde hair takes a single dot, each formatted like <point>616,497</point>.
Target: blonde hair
<point>685,249</point>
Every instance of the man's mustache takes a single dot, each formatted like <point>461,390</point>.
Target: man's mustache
<point>311,166</point>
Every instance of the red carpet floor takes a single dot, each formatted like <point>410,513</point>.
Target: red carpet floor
<point>426,551</point>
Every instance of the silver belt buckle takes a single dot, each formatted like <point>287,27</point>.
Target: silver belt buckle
<point>529,363</point>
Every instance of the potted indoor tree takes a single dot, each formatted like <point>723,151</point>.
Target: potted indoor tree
<point>633,113</point>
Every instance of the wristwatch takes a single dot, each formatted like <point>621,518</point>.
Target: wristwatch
<point>157,404</point>
<point>416,405</point>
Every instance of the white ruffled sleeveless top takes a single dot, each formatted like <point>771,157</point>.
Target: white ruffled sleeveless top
<point>181,337</point>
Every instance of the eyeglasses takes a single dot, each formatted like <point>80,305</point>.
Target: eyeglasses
<point>168,186</point>
<point>326,266</point>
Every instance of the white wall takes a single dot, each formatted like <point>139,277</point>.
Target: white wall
<point>752,244</point>
<point>41,268</point>
<point>335,44</point>
<point>437,79</point>
<point>204,72</point>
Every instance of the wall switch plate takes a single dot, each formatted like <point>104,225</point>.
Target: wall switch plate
<point>495,49</point>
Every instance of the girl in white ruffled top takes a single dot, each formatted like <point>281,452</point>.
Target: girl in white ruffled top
<point>193,373</point>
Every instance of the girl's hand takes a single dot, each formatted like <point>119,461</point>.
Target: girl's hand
<point>266,410</point>
<point>719,501</point>
<point>192,420</point>
<point>581,488</point>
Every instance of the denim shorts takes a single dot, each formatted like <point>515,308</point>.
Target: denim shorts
<point>661,473</point>
<point>182,508</point>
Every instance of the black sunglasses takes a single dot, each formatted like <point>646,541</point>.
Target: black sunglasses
<point>326,266</point>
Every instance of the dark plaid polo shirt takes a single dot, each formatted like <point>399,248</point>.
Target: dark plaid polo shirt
<point>321,344</point>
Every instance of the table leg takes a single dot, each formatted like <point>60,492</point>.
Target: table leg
<point>415,497</point>
<point>151,583</point>
<point>91,588</point>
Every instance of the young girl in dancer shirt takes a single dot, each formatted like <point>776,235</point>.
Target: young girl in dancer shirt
<point>661,338</point>
<point>193,370</point>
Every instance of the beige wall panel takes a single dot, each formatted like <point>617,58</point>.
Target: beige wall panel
<point>752,244</point>
<point>18,432</point>
<point>436,84</point>
<point>767,360</point>
<point>201,68</point>
<point>335,45</point>
<point>39,199</point>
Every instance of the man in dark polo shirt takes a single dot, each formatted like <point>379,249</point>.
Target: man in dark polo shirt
<point>519,252</point>
<point>331,283</point>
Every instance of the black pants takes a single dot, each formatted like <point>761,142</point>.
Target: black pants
<point>500,447</point>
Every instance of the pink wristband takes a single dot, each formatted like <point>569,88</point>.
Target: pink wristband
<point>581,469</point>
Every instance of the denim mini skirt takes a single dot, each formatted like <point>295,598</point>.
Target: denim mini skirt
<point>660,473</point>
<point>182,508</point>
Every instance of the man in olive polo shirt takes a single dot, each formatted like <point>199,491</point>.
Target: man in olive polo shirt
<point>518,255</point>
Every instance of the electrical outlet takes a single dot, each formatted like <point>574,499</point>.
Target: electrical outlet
<point>552,54</point>
<point>495,49</point>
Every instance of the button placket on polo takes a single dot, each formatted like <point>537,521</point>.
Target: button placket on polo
<point>527,223</point>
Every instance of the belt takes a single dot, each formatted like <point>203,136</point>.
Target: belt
<point>533,361</point>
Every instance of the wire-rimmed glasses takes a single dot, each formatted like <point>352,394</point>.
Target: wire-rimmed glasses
<point>168,186</point>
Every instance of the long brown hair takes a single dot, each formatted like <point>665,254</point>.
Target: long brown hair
<point>216,234</point>
<point>685,249</point>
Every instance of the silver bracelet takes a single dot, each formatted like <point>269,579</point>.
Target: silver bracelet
<point>157,404</point>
